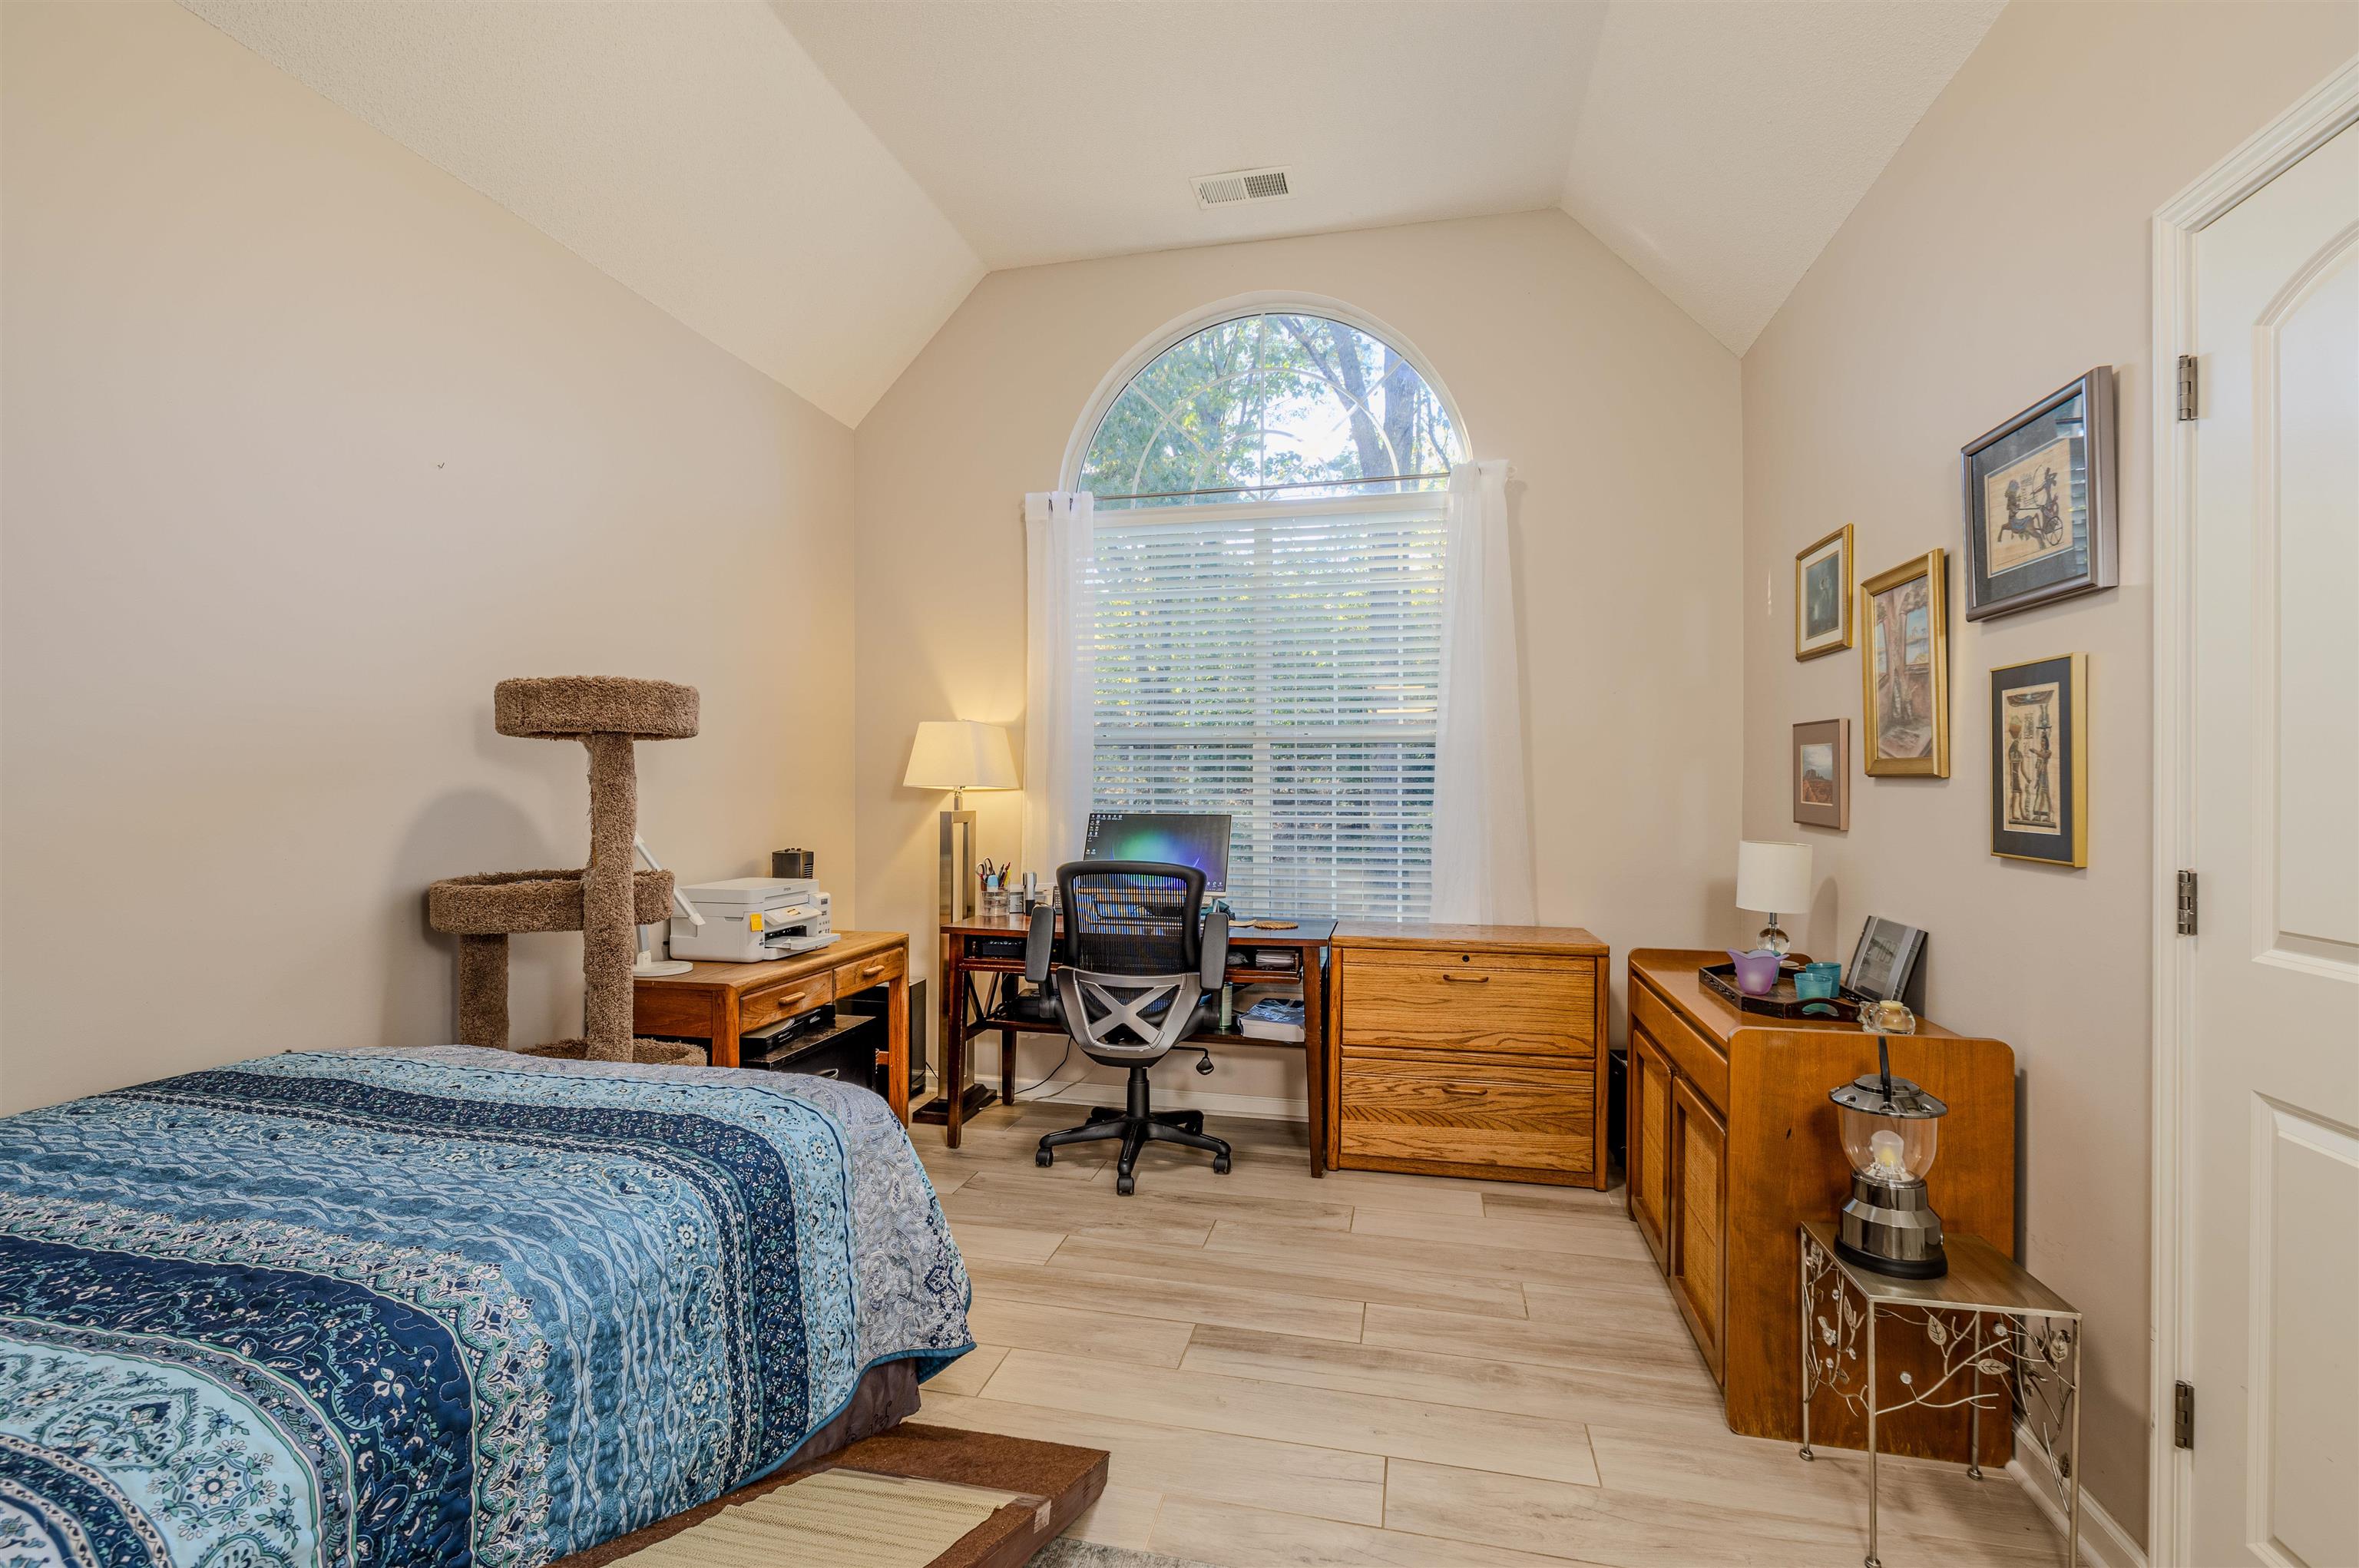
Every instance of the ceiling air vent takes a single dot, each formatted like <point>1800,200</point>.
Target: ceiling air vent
<point>1242,185</point>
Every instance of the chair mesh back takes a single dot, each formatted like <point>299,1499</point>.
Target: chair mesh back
<point>1131,916</point>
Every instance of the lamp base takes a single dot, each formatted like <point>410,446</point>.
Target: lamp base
<point>1890,1229</point>
<point>1773,937</point>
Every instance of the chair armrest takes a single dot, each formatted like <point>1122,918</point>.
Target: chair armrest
<point>1040,943</point>
<point>1215,966</point>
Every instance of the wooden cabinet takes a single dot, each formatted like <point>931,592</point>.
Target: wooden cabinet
<point>1698,1184</point>
<point>1469,1051</point>
<point>1647,1158</point>
<point>1732,1145</point>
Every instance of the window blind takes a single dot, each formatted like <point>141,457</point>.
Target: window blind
<point>1281,664</point>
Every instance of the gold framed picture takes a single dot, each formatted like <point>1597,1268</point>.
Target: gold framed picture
<point>2039,760</point>
<point>1905,675</point>
<point>1822,596</point>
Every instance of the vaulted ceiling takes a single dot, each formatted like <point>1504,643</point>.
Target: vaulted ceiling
<point>816,184</point>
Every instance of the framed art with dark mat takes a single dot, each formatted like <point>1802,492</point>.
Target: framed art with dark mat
<point>1823,774</point>
<point>2039,760</point>
<point>2039,502</point>
<point>1822,596</point>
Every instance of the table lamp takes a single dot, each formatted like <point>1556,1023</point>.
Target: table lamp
<point>958,755</point>
<point>1771,878</point>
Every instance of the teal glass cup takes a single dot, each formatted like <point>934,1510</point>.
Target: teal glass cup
<point>1816,982</point>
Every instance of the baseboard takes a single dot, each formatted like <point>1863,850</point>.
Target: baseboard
<point>2102,1541</point>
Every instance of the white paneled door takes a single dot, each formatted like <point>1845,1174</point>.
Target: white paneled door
<point>2273,1080</point>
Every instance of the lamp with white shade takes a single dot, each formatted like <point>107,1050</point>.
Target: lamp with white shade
<point>1773,879</point>
<point>958,755</point>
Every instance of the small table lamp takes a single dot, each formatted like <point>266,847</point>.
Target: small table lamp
<point>1771,878</point>
<point>958,755</point>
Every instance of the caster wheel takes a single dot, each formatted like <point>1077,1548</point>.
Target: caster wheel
<point>1221,1165</point>
<point>1125,1185</point>
<point>1044,1156</point>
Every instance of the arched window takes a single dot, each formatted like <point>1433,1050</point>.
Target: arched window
<point>1278,403</point>
<point>1267,570</point>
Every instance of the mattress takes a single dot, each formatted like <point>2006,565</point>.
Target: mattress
<point>445,1306</point>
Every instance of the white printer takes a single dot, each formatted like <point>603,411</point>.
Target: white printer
<point>750,919</point>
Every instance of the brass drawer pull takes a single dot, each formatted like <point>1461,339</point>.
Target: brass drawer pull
<point>1468,979</point>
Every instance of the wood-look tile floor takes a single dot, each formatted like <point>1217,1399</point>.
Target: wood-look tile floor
<point>1402,1371</point>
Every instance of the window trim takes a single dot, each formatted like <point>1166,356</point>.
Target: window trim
<point>1260,303</point>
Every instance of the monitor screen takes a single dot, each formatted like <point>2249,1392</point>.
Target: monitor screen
<point>1200,839</point>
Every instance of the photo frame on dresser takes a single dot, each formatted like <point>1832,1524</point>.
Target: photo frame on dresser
<point>1822,580</point>
<point>2039,494</point>
<point>2039,760</point>
<point>1905,669</point>
<point>1823,774</point>
<point>1883,965</point>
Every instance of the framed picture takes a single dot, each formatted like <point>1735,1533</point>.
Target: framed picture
<point>1822,596</point>
<point>2039,760</point>
<point>1885,961</point>
<point>1905,676</point>
<point>2039,502</point>
<point>1823,774</point>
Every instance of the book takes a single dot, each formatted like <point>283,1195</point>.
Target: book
<point>1273,1018</point>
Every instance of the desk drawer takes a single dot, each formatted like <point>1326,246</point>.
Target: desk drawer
<point>1497,1003</point>
<point>1695,1057</point>
<point>785,1002</point>
<point>1488,1118</point>
<point>873,970</point>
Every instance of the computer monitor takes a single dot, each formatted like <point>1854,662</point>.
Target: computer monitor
<point>1200,839</point>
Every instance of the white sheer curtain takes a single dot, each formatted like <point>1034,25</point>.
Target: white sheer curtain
<point>1482,834</point>
<point>1060,678</point>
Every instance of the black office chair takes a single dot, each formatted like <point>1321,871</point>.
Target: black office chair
<point>1133,979</point>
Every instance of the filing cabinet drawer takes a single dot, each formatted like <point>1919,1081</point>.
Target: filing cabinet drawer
<point>1501,1004</point>
<point>1423,1109</point>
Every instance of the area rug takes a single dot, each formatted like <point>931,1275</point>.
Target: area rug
<point>846,1518</point>
<point>1066,1553</point>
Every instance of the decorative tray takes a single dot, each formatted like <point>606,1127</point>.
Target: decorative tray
<point>1782,1003</point>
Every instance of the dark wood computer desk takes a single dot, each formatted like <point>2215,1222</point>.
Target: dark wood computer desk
<point>982,957</point>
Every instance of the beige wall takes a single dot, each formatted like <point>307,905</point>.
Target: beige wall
<point>2004,251</point>
<point>307,444</point>
<point>1618,413</point>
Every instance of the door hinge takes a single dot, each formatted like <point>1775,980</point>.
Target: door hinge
<point>2182,1416</point>
<point>2187,386</point>
<point>2187,903</point>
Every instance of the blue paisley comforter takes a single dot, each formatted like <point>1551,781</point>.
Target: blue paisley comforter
<point>451,1306</point>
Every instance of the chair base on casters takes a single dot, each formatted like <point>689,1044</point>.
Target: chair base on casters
<point>1137,1126</point>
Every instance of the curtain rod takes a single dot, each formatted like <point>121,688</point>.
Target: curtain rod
<point>1262,489</point>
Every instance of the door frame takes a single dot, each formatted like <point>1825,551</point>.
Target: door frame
<point>2322,114</point>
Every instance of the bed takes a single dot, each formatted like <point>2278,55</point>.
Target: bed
<point>446,1306</point>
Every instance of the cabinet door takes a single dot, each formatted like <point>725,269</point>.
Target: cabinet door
<point>1647,1130</point>
<point>1699,1203</point>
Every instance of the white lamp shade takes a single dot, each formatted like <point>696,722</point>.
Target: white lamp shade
<point>959,754</point>
<point>1773,879</point>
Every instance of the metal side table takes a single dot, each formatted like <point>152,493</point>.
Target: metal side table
<point>2007,1342</point>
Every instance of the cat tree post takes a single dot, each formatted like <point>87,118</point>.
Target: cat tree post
<point>605,900</point>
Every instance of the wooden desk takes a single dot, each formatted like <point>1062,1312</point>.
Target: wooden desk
<point>1733,1147</point>
<point>720,1002</point>
<point>970,1008</point>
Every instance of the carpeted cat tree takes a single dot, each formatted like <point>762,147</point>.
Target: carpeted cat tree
<point>606,900</point>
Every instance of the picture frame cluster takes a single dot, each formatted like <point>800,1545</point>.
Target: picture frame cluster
<point>2038,526</point>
